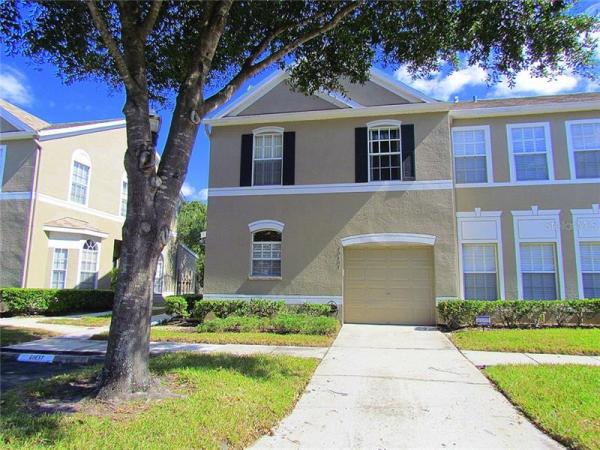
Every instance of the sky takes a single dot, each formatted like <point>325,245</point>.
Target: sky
<point>38,89</point>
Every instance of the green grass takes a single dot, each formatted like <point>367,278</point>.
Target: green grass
<point>227,402</point>
<point>165,333</point>
<point>86,321</point>
<point>564,400</point>
<point>10,335</point>
<point>568,341</point>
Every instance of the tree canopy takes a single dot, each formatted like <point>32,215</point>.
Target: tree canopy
<point>191,222</point>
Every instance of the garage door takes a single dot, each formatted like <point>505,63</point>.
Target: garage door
<point>389,285</point>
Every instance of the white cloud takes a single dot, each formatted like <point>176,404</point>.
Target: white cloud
<point>14,87</point>
<point>443,86</point>
<point>191,193</point>
<point>526,84</point>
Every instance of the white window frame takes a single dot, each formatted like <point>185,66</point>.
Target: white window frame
<point>478,220</point>
<point>488,152</point>
<point>265,225</point>
<point>591,233</point>
<point>265,131</point>
<point>81,157</point>
<point>551,217</point>
<point>3,150</point>
<point>81,261</point>
<point>52,269</point>
<point>511,153</point>
<point>385,123</point>
<point>123,211</point>
<point>161,280</point>
<point>571,149</point>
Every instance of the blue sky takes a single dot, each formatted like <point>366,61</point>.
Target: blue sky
<point>39,90</point>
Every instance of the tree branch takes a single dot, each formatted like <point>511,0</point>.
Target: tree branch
<point>110,43</point>
<point>150,19</point>
<point>249,69</point>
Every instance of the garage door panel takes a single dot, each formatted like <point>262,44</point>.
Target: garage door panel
<point>389,285</point>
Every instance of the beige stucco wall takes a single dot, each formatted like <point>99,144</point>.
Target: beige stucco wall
<point>18,165</point>
<point>13,234</point>
<point>499,139</point>
<point>371,94</point>
<point>325,149</point>
<point>314,224</point>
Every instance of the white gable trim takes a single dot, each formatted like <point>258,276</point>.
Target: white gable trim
<point>266,225</point>
<point>397,87</point>
<point>15,121</point>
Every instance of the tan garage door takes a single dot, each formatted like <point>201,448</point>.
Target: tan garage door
<point>389,285</point>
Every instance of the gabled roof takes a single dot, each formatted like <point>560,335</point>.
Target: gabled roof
<point>337,99</point>
<point>74,226</point>
<point>21,119</point>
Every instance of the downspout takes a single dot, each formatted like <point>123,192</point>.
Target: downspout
<point>34,186</point>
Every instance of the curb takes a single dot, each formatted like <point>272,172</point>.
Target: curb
<point>58,358</point>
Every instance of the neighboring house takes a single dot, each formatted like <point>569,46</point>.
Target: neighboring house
<point>386,200</point>
<point>63,199</point>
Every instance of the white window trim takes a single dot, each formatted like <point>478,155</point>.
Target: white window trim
<point>576,214</point>
<point>261,225</point>
<point>267,130</point>
<point>123,180</point>
<point>83,158</point>
<point>97,264</point>
<point>482,216</point>
<point>265,277</point>
<point>3,150</point>
<point>384,123</point>
<point>53,261</point>
<point>571,150</point>
<point>161,260</point>
<point>534,214</point>
<point>488,152</point>
<point>511,154</point>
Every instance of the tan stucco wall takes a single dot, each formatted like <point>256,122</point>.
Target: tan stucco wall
<point>105,149</point>
<point>18,165</point>
<point>312,256</point>
<point>325,149</point>
<point>6,126</point>
<point>371,94</point>
<point>500,142</point>
<point>13,228</point>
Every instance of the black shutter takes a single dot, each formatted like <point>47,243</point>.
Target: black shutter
<point>361,167</point>
<point>289,156</point>
<point>408,152</point>
<point>246,160</point>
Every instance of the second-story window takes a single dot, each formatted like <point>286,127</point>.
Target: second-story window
<point>267,159</point>
<point>530,152</point>
<point>80,177</point>
<point>385,153</point>
<point>584,147</point>
<point>471,146</point>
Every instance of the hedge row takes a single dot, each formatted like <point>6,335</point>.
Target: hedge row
<point>182,306</point>
<point>23,301</point>
<point>511,313</point>
<point>281,323</point>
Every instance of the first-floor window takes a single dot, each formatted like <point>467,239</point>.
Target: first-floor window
<point>590,268</point>
<point>158,276</point>
<point>59,268</point>
<point>538,271</point>
<point>88,273</point>
<point>266,254</point>
<point>480,271</point>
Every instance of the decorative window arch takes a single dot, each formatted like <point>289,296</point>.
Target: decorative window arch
<point>267,156</point>
<point>88,265</point>
<point>123,197</point>
<point>81,171</point>
<point>384,140</point>
<point>265,258</point>
<point>159,275</point>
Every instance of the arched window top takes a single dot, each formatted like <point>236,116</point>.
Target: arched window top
<point>266,236</point>
<point>82,157</point>
<point>90,245</point>
<point>385,123</point>
<point>268,130</point>
<point>266,225</point>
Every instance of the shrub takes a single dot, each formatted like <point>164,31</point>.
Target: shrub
<point>55,301</point>
<point>241,324</point>
<point>311,309</point>
<point>189,299</point>
<point>177,306</point>
<point>226,308</point>
<point>459,313</point>
<point>201,310</point>
<point>264,308</point>
<point>281,323</point>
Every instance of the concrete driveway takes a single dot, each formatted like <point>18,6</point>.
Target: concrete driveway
<point>383,386</point>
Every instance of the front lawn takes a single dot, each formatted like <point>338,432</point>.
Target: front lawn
<point>85,321</point>
<point>564,400</point>
<point>568,341</point>
<point>224,402</point>
<point>11,336</point>
<point>166,333</point>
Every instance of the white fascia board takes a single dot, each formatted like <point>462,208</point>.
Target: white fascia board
<point>14,120</point>
<point>367,111</point>
<point>17,135</point>
<point>46,135</point>
<point>521,110</point>
<point>397,87</point>
<point>80,231</point>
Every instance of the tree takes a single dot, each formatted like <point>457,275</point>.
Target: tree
<point>201,52</point>
<point>191,222</point>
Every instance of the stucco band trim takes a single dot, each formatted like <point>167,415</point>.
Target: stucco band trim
<point>388,238</point>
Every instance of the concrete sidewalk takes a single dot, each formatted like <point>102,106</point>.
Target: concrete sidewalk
<point>481,359</point>
<point>85,348</point>
<point>383,386</point>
